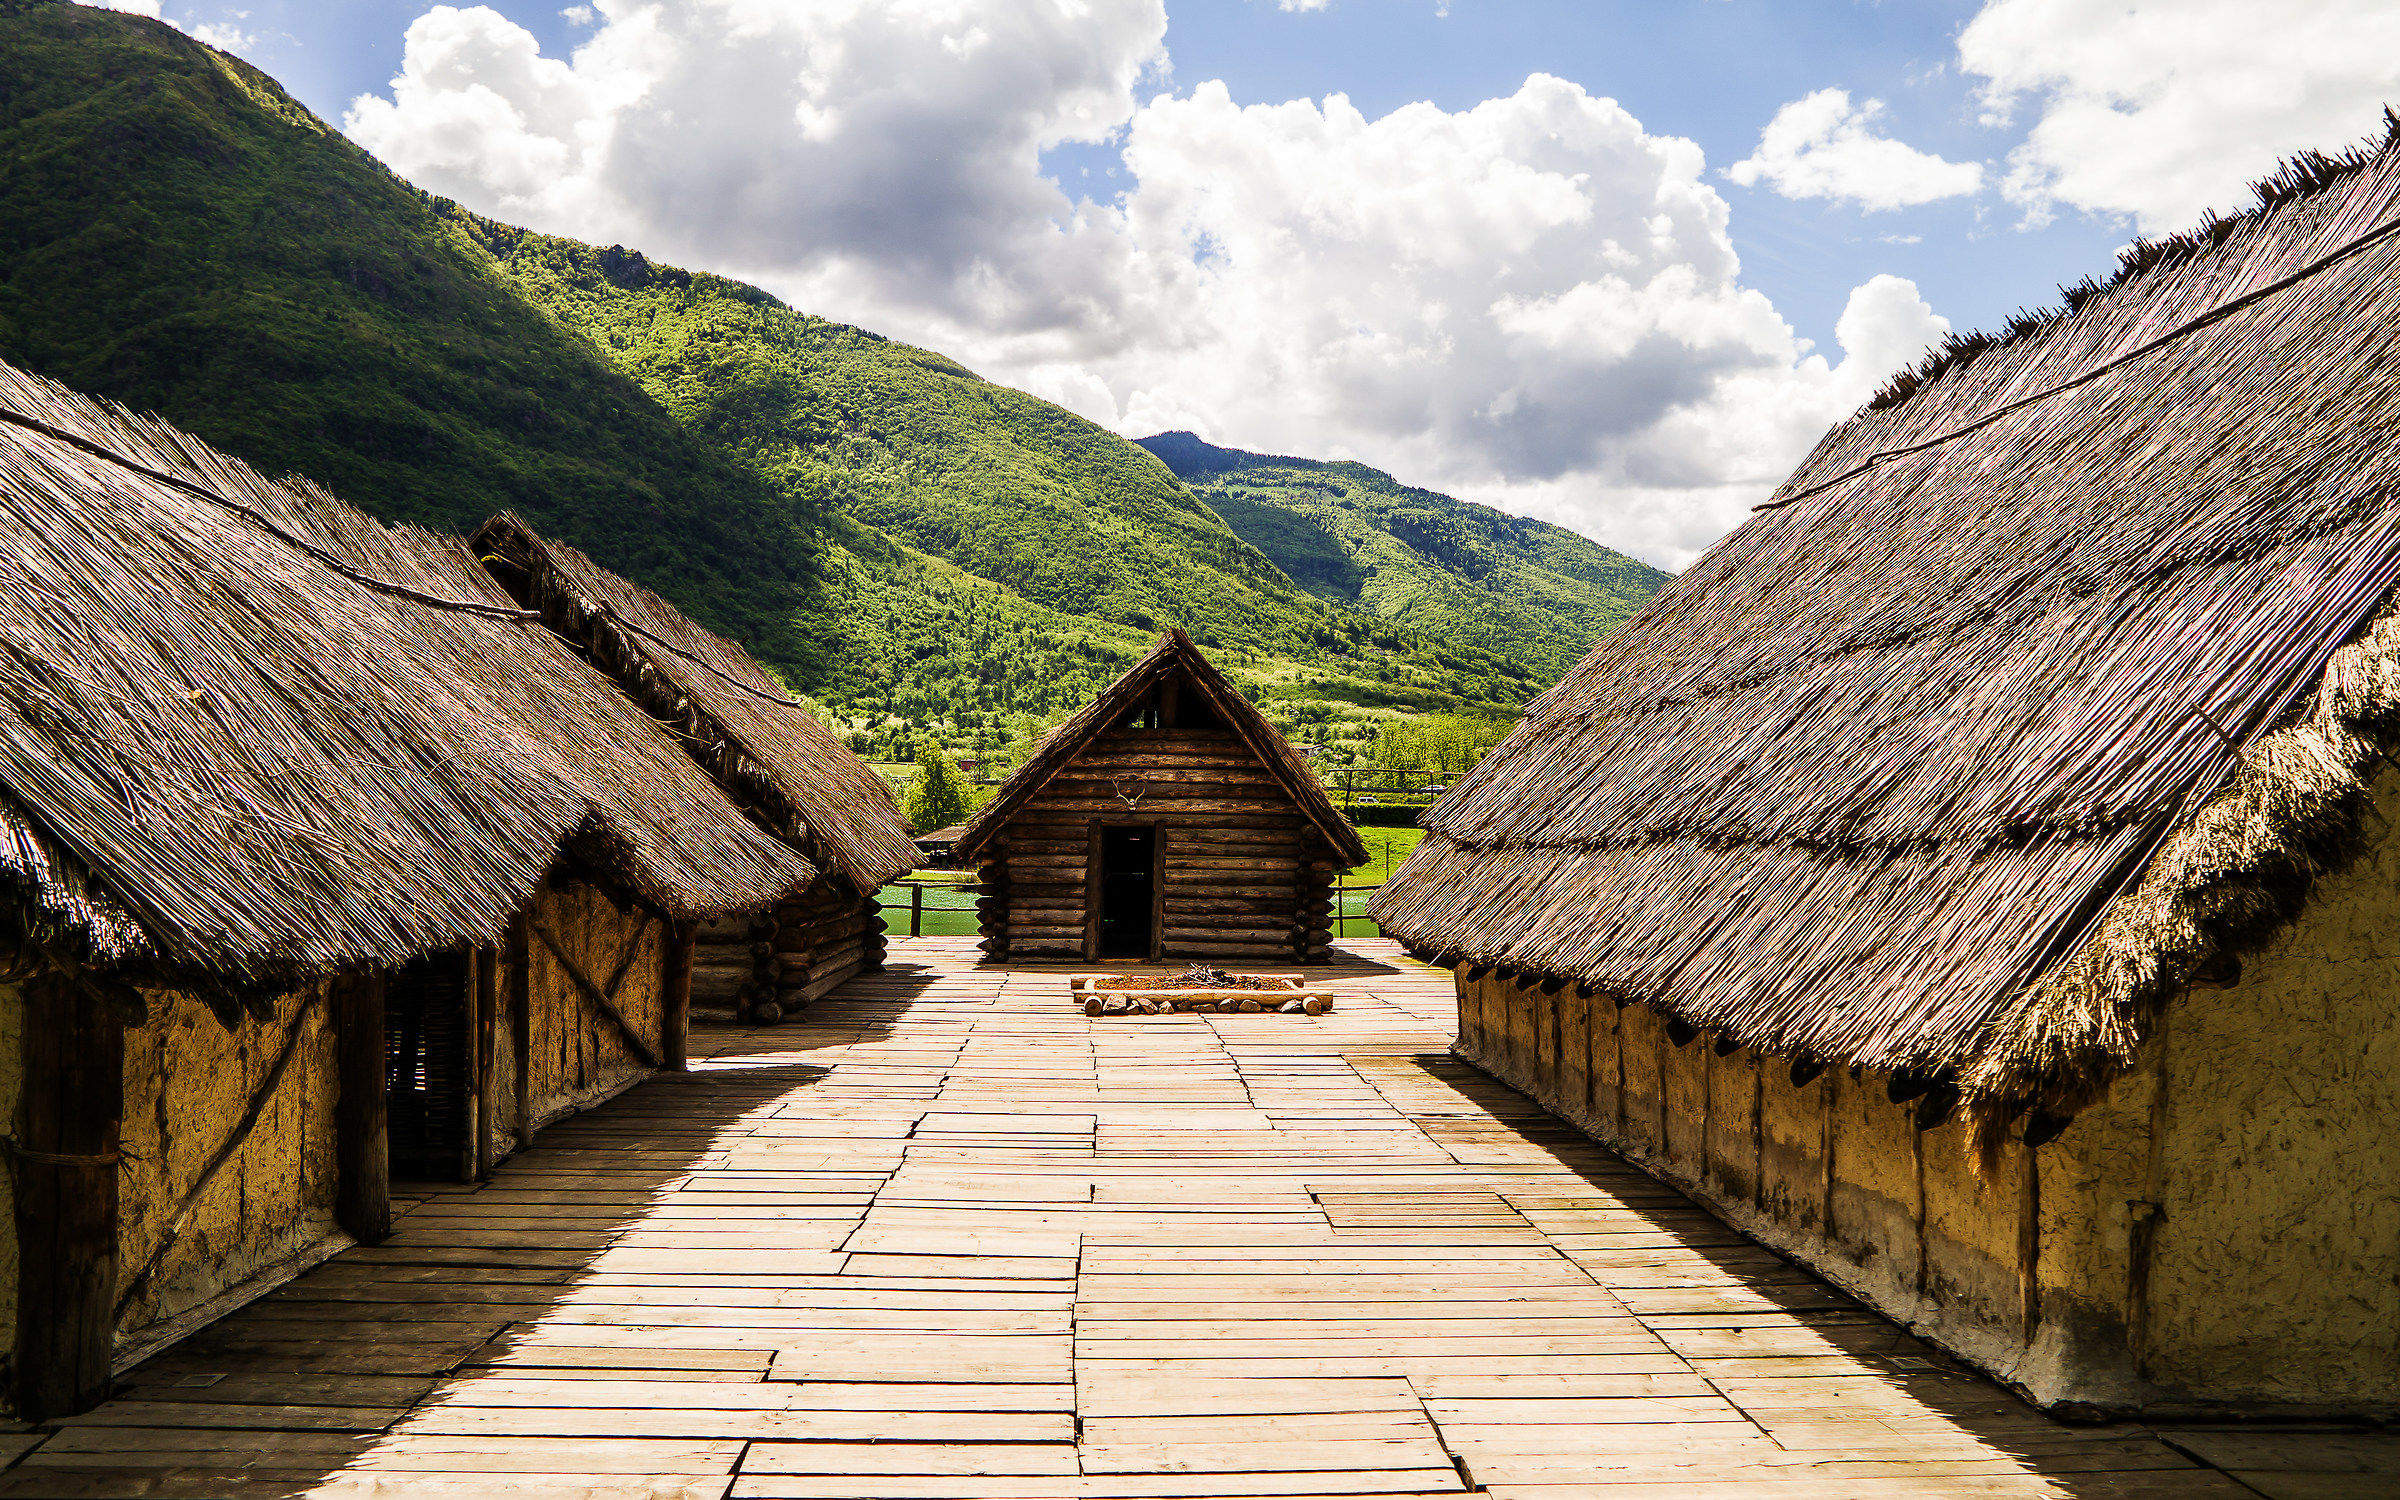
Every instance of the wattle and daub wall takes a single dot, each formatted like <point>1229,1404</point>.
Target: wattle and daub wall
<point>2218,1231</point>
<point>228,1133</point>
<point>1246,874</point>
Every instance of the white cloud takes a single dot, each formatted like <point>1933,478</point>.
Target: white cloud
<point>1822,146</point>
<point>1533,301</point>
<point>2161,109</point>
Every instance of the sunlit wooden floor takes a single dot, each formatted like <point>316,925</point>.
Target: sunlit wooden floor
<point>946,1237</point>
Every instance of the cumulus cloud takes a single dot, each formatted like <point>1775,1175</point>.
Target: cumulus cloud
<point>2157,110</point>
<point>1823,146</point>
<point>1533,301</point>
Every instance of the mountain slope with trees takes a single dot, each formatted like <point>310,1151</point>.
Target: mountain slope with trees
<point>1460,572</point>
<point>918,549</point>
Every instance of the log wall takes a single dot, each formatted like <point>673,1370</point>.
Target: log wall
<point>1247,876</point>
<point>768,965</point>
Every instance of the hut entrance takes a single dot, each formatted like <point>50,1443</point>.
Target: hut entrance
<point>1126,892</point>
<point>425,1068</point>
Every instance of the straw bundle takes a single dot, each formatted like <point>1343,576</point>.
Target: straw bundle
<point>1960,763</point>
<point>221,753</point>
<point>768,752</point>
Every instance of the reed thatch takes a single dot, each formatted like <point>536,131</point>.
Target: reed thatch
<point>764,748</point>
<point>1960,764</point>
<point>1174,653</point>
<point>248,734</point>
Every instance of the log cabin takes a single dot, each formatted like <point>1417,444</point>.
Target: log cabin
<point>1166,819</point>
<point>1976,876</point>
<point>774,760</point>
<point>322,861</point>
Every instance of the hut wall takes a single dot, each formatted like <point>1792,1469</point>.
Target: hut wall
<point>577,1056</point>
<point>2274,1270</point>
<point>2210,1233</point>
<point>195,1218</point>
<point>1246,875</point>
<point>824,936</point>
<point>1831,1172</point>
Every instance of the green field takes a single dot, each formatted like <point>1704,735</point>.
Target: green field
<point>949,909</point>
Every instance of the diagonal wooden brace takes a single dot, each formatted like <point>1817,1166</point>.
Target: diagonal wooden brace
<point>604,1001</point>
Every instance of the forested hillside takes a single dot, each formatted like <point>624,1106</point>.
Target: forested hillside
<point>916,548</point>
<point>1457,571</point>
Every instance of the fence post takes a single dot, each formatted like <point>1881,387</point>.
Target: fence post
<point>916,909</point>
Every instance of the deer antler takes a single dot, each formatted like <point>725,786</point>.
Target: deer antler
<point>1132,799</point>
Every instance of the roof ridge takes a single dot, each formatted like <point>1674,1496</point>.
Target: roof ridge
<point>2296,178</point>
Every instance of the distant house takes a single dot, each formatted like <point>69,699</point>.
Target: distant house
<point>773,759</point>
<point>322,862</point>
<point>1167,819</point>
<point>1976,875</point>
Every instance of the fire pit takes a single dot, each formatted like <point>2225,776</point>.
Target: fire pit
<point>1199,988</point>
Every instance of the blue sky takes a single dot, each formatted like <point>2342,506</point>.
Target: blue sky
<point>1533,293</point>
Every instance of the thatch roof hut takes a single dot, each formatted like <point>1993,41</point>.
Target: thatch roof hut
<point>223,754</point>
<point>262,756</point>
<point>771,754</point>
<point>1167,818</point>
<point>2048,688</point>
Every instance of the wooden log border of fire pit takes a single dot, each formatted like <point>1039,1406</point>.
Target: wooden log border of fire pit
<point>1292,999</point>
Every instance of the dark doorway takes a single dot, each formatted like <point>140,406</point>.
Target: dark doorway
<point>1127,860</point>
<point>425,1068</point>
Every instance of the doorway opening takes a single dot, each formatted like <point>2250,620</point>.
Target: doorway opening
<point>425,1069</point>
<point>1128,872</point>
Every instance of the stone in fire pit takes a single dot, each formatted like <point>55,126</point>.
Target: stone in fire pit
<point>1199,988</point>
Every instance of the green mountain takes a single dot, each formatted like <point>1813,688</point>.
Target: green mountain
<point>915,547</point>
<point>1456,571</point>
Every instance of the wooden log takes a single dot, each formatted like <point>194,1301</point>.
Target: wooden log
<point>69,1113</point>
<point>675,1034</point>
<point>818,988</point>
<point>362,1142</point>
<point>484,965</point>
<point>516,958</point>
<point>824,963</point>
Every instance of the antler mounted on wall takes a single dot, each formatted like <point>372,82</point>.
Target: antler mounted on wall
<point>1130,790</point>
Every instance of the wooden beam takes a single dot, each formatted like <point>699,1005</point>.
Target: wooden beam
<point>362,1137</point>
<point>676,996</point>
<point>484,1009</point>
<point>604,1001</point>
<point>69,1114</point>
<point>516,956</point>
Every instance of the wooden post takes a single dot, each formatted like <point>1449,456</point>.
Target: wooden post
<point>68,1118</point>
<point>362,1138</point>
<point>675,1029</point>
<point>517,956</point>
<point>916,910</point>
<point>485,1003</point>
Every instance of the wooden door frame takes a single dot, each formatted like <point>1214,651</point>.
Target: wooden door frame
<point>1092,892</point>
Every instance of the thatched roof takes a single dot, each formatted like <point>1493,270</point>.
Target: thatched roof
<point>1961,762</point>
<point>766,749</point>
<point>248,734</point>
<point>1174,654</point>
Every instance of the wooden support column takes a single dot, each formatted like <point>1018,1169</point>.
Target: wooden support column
<point>68,1118</point>
<point>516,957</point>
<point>484,999</point>
<point>675,1037</point>
<point>362,1139</point>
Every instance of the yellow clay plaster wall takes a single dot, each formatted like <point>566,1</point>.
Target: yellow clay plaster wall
<point>577,1056</point>
<point>188,1082</point>
<point>2258,1136</point>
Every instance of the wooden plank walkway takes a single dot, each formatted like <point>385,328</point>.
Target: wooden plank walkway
<point>949,1238</point>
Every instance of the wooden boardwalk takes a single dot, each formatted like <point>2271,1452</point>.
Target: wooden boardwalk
<point>948,1238</point>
